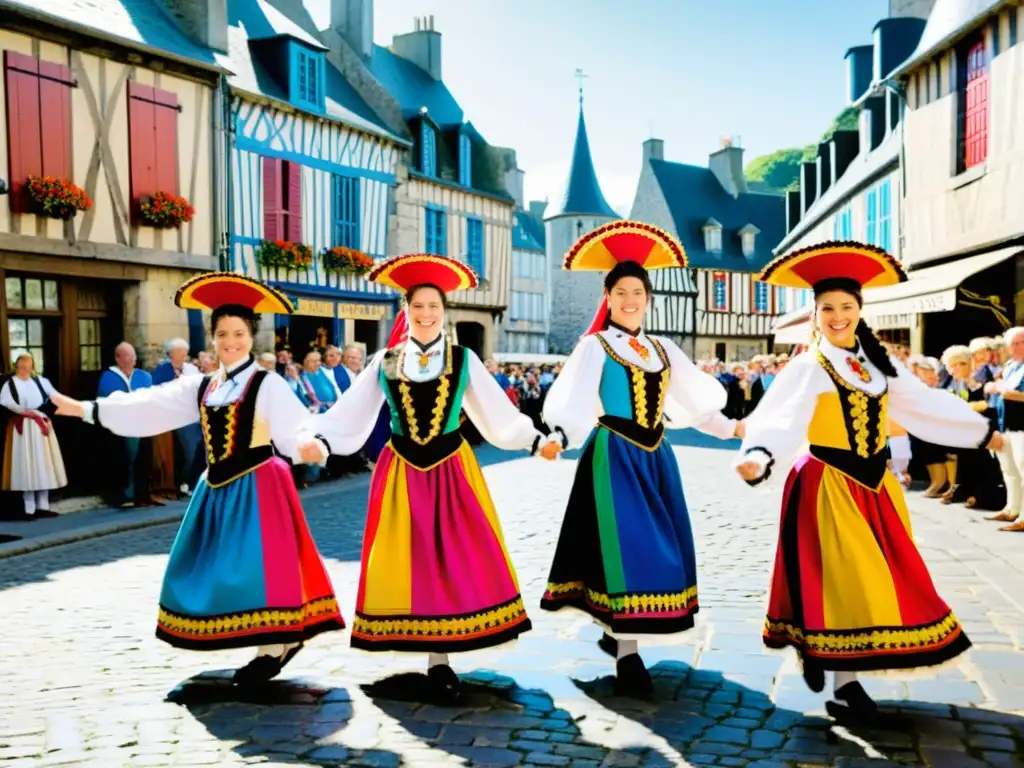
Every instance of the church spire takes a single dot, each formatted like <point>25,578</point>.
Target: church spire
<point>582,192</point>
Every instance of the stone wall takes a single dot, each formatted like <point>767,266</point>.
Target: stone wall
<point>150,317</point>
<point>404,220</point>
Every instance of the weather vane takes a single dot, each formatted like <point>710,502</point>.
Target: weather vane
<point>580,77</point>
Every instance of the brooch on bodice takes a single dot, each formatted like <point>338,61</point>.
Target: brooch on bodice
<point>640,349</point>
<point>424,359</point>
<point>855,365</point>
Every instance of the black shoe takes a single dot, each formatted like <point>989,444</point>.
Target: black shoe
<point>632,678</point>
<point>444,684</point>
<point>855,699</point>
<point>259,671</point>
<point>609,645</point>
<point>814,675</point>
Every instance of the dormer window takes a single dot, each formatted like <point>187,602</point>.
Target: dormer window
<point>747,235</point>
<point>307,78</point>
<point>428,149</point>
<point>713,236</point>
<point>465,160</point>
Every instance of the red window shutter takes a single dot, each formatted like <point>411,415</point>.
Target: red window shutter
<point>55,102</point>
<point>141,140</point>
<point>166,130</point>
<point>294,202</point>
<point>272,224</point>
<point>24,142</point>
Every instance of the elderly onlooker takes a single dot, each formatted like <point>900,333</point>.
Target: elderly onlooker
<point>33,464</point>
<point>207,362</point>
<point>321,387</point>
<point>131,457</point>
<point>175,469</point>
<point>268,362</point>
<point>931,457</point>
<point>1010,415</point>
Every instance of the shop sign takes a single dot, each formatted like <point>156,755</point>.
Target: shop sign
<point>314,307</point>
<point>362,311</point>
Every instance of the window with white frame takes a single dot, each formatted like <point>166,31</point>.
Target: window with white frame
<point>713,236</point>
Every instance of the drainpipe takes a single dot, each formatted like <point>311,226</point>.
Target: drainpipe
<point>222,168</point>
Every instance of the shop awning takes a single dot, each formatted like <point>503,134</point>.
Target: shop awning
<point>932,289</point>
<point>793,327</point>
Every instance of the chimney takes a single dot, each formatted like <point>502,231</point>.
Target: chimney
<point>353,20</point>
<point>422,46</point>
<point>808,190</point>
<point>917,9</point>
<point>654,149</point>
<point>537,208</point>
<point>727,165</point>
<point>824,161</point>
<point>205,21</point>
<point>793,212</point>
<point>845,147</point>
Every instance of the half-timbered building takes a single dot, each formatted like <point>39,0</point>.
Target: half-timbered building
<point>715,308</point>
<point>108,105</point>
<point>450,197</point>
<point>312,175</point>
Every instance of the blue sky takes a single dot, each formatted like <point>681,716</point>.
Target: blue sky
<point>690,71</point>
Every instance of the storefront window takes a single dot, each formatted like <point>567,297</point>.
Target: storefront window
<point>26,334</point>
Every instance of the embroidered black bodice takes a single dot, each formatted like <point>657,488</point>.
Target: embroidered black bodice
<point>647,390</point>
<point>228,432</point>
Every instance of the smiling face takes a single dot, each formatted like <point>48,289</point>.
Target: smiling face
<point>425,311</point>
<point>836,315</point>
<point>627,301</point>
<point>23,366</point>
<point>232,340</point>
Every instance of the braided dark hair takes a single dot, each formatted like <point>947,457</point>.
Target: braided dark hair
<point>870,344</point>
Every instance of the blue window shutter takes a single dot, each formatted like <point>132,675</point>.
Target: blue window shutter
<point>428,149</point>
<point>465,161</point>
<point>428,243</point>
<point>442,233</point>
<point>346,211</point>
<point>871,218</point>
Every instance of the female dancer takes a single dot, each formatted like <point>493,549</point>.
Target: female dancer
<point>625,555</point>
<point>243,570</point>
<point>849,590</point>
<point>435,575</point>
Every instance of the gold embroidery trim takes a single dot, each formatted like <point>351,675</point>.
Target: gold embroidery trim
<point>484,622</point>
<point>639,382</point>
<point>859,412</point>
<point>628,604</point>
<point>844,641</point>
<point>231,624</point>
<point>440,402</point>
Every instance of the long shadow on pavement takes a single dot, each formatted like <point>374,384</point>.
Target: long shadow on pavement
<point>293,721</point>
<point>702,714</point>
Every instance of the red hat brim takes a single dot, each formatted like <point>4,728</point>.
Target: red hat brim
<point>867,265</point>
<point>619,241</point>
<point>217,289</point>
<point>405,272</point>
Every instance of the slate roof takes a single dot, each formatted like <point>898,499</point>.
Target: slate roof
<point>694,195</point>
<point>413,88</point>
<point>525,233</point>
<point>583,192</point>
<point>258,20</point>
<point>948,20</point>
<point>136,23</point>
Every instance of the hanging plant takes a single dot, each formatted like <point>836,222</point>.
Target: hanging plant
<point>347,261</point>
<point>164,211</point>
<point>56,198</point>
<point>282,253</point>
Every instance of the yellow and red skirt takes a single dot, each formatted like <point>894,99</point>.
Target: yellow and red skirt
<point>850,590</point>
<point>435,574</point>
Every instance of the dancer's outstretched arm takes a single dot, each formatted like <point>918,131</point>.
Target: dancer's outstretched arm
<point>142,413</point>
<point>695,398</point>
<point>573,403</point>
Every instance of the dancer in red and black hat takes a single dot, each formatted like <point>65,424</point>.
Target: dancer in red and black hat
<point>850,591</point>
<point>435,576</point>
<point>243,570</point>
<point>625,555</point>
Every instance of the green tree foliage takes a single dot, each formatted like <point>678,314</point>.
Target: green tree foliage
<point>781,169</point>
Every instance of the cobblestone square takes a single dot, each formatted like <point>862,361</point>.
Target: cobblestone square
<point>84,680</point>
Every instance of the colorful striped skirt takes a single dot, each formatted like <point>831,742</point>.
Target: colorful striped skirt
<point>435,573</point>
<point>244,570</point>
<point>625,554</point>
<point>849,588</point>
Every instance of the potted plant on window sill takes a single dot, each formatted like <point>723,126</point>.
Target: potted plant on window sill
<point>277,255</point>
<point>55,198</point>
<point>346,261</point>
<point>164,211</point>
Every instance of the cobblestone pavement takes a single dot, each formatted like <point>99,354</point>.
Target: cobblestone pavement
<point>84,681</point>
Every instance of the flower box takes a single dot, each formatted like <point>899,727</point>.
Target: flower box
<point>347,261</point>
<point>164,211</point>
<point>277,254</point>
<point>55,198</point>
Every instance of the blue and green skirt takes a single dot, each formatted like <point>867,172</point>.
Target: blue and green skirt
<point>625,554</point>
